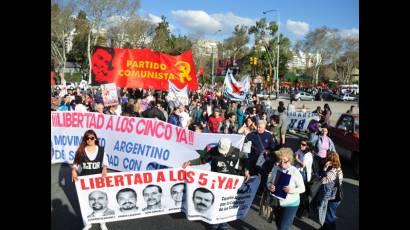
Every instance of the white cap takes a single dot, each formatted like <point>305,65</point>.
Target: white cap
<point>224,145</point>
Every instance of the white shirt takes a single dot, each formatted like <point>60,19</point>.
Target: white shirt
<point>184,118</point>
<point>296,185</point>
<point>209,109</point>
<point>80,108</point>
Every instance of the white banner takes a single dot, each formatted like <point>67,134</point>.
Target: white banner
<point>180,96</point>
<point>131,143</point>
<point>109,94</point>
<point>202,195</point>
<point>300,120</point>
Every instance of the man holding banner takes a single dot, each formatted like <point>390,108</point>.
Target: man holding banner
<point>224,158</point>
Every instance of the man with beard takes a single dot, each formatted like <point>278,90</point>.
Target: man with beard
<point>127,199</point>
<point>152,195</point>
<point>98,201</point>
<point>203,199</point>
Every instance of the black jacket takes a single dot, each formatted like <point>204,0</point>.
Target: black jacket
<point>153,112</point>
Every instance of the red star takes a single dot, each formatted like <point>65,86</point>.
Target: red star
<point>236,88</point>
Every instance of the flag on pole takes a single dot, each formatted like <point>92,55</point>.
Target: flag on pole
<point>235,90</point>
<point>179,96</point>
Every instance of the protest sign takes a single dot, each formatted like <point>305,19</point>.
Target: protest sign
<point>300,120</point>
<point>142,68</point>
<point>109,94</point>
<point>130,195</point>
<point>131,143</point>
<point>178,96</point>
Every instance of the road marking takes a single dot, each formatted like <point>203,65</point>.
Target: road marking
<point>351,181</point>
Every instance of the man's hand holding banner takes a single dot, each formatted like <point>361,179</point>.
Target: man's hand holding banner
<point>202,195</point>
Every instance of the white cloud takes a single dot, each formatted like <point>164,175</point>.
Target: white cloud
<point>197,21</point>
<point>352,33</point>
<point>154,19</point>
<point>298,28</point>
<point>200,22</point>
<point>230,20</point>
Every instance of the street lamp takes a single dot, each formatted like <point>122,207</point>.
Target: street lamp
<point>213,61</point>
<point>277,58</point>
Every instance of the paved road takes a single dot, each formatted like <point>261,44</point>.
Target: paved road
<point>65,212</point>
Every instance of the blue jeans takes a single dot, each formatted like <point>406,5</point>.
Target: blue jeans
<point>220,226</point>
<point>285,217</point>
<point>330,221</point>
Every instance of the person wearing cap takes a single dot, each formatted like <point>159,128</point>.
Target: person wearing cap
<point>224,158</point>
<point>215,121</point>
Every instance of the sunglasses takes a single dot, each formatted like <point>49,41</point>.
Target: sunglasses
<point>282,161</point>
<point>90,138</point>
<point>303,144</point>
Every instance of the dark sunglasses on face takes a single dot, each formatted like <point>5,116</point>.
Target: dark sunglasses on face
<point>90,138</point>
<point>303,144</point>
<point>282,161</point>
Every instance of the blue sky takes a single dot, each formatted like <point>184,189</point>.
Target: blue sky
<point>297,17</point>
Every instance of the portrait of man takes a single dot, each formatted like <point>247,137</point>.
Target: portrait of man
<point>98,201</point>
<point>101,63</point>
<point>178,193</point>
<point>203,199</point>
<point>152,195</point>
<point>127,200</point>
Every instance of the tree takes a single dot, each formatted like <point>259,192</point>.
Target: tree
<point>266,43</point>
<point>62,26</point>
<point>234,45</point>
<point>130,33</point>
<point>161,41</point>
<point>77,54</point>
<point>180,44</point>
<point>98,11</point>
<point>317,47</point>
<point>350,59</point>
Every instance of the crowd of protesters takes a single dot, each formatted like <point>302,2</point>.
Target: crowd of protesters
<point>265,130</point>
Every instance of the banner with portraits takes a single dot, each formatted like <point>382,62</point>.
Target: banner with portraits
<point>142,68</point>
<point>300,120</point>
<point>208,196</point>
<point>131,143</point>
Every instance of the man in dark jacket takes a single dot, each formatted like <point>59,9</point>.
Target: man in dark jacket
<point>224,158</point>
<point>174,117</point>
<point>153,112</point>
<point>261,157</point>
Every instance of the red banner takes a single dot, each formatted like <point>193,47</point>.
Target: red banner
<point>142,68</point>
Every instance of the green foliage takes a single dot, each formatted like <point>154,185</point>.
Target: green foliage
<point>74,77</point>
<point>161,41</point>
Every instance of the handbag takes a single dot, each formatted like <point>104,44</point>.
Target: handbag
<point>262,156</point>
<point>339,192</point>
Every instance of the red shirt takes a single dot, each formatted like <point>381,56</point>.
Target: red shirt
<point>213,123</point>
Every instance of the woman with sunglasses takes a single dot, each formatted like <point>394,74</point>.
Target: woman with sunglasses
<point>91,158</point>
<point>286,212</point>
<point>304,161</point>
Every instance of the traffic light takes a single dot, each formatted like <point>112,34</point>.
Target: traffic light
<point>253,60</point>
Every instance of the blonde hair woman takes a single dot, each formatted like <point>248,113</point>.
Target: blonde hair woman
<point>287,207</point>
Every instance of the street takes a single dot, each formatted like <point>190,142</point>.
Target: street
<point>66,215</point>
